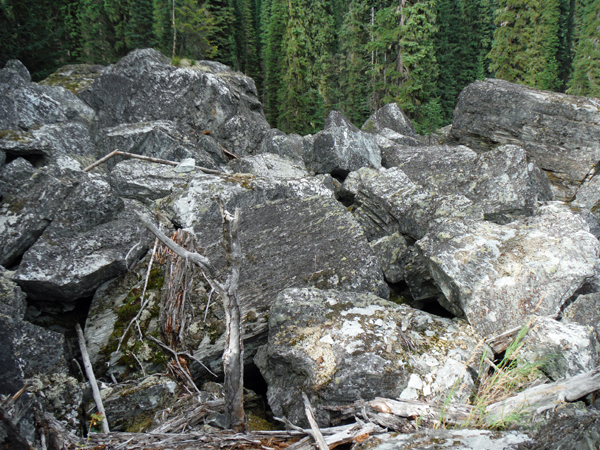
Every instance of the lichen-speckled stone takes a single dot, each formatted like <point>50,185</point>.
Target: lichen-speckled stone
<point>208,96</point>
<point>269,165</point>
<point>391,117</point>
<point>560,132</point>
<point>585,310</point>
<point>501,181</point>
<point>340,347</point>
<point>500,274</point>
<point>387,201</point>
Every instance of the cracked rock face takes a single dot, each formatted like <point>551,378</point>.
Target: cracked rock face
<point>341,347</point>
<point>560,132</point>
<point>497,275</point>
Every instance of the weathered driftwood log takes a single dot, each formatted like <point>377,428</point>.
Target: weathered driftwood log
<point>316,432</point>
<point>233,355</point>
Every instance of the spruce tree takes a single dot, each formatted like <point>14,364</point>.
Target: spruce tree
<point>139,31</point>
<point>275,17</point>
<point>405,69</point>
<point>247,57</point>
<point>526,43</point>
<point>585,79</point>
<point>222,35</point>
<point>356,61</point>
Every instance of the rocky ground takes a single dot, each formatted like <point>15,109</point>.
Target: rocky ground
<point>410,286</point>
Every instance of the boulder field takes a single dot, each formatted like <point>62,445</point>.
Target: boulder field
<point>374,264</point>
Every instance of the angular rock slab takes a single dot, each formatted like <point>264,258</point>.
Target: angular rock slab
<point>561,133</point>
<point>269,165</point>
<point>562,349</point>
<point>30,201</point>
<point>93,239</point>
<point>387,201</point>
<point>24,104</point>
<point>501,181</point>
<point>390,117</point>
<point>145,87</point>
<point>498,275</point>
<point>305,242</point>
<point>341,148</point>
<point>279,143</point>
<point>161,139</point>
<point>340,347</point>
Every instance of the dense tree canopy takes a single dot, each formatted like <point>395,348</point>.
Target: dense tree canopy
<point>310,56</point>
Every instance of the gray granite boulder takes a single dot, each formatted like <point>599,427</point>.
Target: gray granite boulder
<point>76,78</point>
<point>93,238</point>
<point>269,165</point>
<point>340,347</point>
<point>561,349</point>
<point>561,133</point>
<point>501,181</point>
<point>25,104</point>
<point>341,148</point>
<point>391,117</point>
<point>498,275</point>
<point>19,67</point>
<point>386,201</point>
<point>585,310</point>
<point>279,143</point>
<point>30,200</point>
<point>161,139</point>
<point>145,87</point>
<point>27,350</point>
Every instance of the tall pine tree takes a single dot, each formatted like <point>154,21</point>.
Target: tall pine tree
<point>585,79</point>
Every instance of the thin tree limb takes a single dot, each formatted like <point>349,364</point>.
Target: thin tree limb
<point>90,374</point>
<point>146,158</point>
<point>316,432</point>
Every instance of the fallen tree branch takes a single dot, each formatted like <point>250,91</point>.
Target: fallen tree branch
<point>90,374</point>
<point>176,358</point>
<point>146,158</point>
<point>316,432</point>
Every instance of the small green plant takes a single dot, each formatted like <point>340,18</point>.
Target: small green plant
<point>176,61</point>
<point>511,376</point>
<point>95,421</point>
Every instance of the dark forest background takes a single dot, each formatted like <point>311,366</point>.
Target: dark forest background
<point>310,56</point>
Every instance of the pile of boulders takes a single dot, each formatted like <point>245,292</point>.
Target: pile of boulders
<point>374,263</point>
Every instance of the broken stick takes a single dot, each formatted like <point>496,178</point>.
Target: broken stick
<point>90,374</point>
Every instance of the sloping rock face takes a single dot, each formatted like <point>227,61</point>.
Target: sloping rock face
<point>500,181</point>
<point>392,118</point>
<point>387,201</point>
<point>585,310</point>
<point>88,243</point>
<point>341,347</point>
<point>341,148</point>
<point>497,275</point>
<point>145,87</point>
<point>561,133</point>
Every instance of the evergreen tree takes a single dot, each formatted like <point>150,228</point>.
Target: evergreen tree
<point>222,35</point>
<point>585,79</point>
<point>139,31</point>
<point>194,25</point>
<point>356,62</point>
<point>246,39</point>
<point>274,19</point>
<point>163,25</point>
<point>405,69</point>
<point>526,43</point>
<point>96,33</point>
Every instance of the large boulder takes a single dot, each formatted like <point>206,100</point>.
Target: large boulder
<point>161,139</point>
<point>30,200</point>
<point>286,145</point>
<point>27,350</point>
<point>340,347</point>
<point>561,133</point>
<point>341,148</point>
<point>386,201</point>
<point>93,238</point>
<point>76,78</point>
<point>585,310</point>
<point>269,165</point>
<point>24,104</point>
<point>208,97</point>
<point>501,181</point>
<point>498,275</point>
<point>390,117</point>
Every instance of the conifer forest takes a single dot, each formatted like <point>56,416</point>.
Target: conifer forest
<point>308,57</point>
